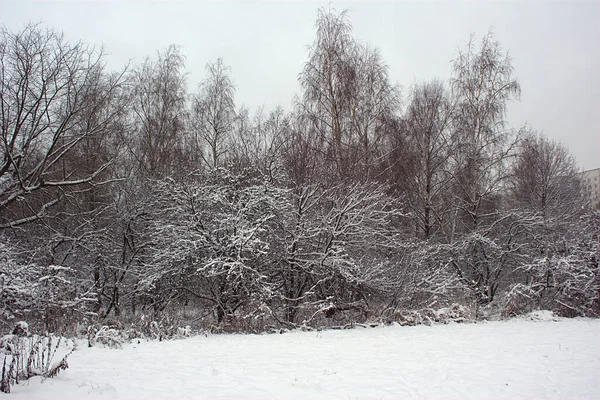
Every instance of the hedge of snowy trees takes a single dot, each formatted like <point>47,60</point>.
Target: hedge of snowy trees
<point>124,197</point>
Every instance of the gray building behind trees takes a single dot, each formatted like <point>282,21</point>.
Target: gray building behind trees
<point>590,184</point>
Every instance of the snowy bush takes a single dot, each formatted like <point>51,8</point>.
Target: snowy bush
<point>109,336</point>
<point>213,243</point>
<point>567,279</point>
<point>415,317</point>
<point>16,284</point>
<point>183,332</point>
<point>454,313</point>
<point>430,276</point>
<point>541,315</point>
<point>45,295</point>
<point>24,356</point>
<point>427,316</point>
<point>116,335</point>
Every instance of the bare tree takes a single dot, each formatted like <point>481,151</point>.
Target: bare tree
<point>428,135</point>
<point>482,85</point>
<point>545,179</point>
<point>374,102</point>
<point>48,86</point>
<point>300,153</point>
<point>347,96</point>
<point>259,142</point>
<point>325,77</point>
<point>213,113</point>
<point>160,110</point>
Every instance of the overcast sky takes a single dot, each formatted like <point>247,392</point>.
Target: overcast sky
<point>555,47</point>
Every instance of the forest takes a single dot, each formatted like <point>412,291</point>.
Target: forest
<point>128,200</point>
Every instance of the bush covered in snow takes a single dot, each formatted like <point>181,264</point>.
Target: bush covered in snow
<point>24,355</point>
<point>566,279</point>
<point>427,316</point>
<point>46,295</point>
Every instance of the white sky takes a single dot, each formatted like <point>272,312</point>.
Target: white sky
<point>555,47</point>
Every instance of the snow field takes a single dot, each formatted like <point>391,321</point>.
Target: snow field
<point>513,359</point>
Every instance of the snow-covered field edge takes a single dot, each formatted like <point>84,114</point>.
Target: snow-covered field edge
<point>535,356</point>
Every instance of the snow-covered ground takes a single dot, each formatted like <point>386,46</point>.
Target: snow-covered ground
<point>508,359</point>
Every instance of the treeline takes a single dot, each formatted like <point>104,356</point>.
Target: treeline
<point>125,197</point>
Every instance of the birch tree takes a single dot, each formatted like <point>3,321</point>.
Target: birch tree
<point>213,114</point>
<point>428,135</point>
<point>482,85</point>
<point>160,112</point>
<point>545,179</point>
<point>347,97</point>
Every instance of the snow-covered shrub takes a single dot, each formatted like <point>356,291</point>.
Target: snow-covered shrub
<point>339,253</point>
<point>183,332</point>
<point>21,329</point>
<point>156,330</point>
<point>427,316</point>
<point>541,315</point>
<point>118,333</point>
<point>109,336</point>
<point>566,279</point>
<point>415,317</point>
<point>61,300</point>
<point>213,243</point>
<point>146,327</point>
<point>17,292</point>
<point>24,356</point>
<point>429,279</point>
<point>454,313</point>
<point>45,295</point>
